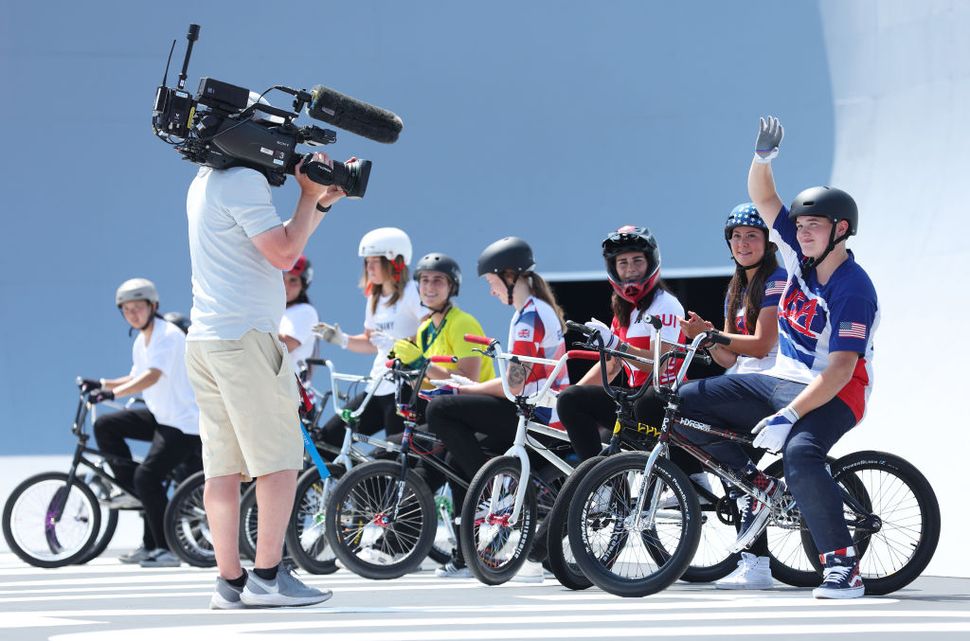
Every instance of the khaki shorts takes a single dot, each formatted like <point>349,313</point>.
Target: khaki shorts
<point>248,405</point>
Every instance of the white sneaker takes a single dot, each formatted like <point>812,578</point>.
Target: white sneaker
<point>451,571</point>
<point>753,573</point>
<point>375,556</point>
<point>531,572</point>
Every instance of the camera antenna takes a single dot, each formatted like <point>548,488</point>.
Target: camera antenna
<point>167,64</point>
<point>192,36</point>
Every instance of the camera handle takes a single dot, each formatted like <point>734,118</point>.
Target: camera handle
<point>317,171</point>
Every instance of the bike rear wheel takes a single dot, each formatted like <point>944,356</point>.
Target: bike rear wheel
<point>495,547</point>
<point>49,523</point>
<point>186,526</point>
<point>897,546</point>
<point>377,527</point>
<point>614,548</point>
<point>306,537</point>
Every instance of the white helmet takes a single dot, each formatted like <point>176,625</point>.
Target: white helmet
<point>389,242</point>
<point>136,289</point>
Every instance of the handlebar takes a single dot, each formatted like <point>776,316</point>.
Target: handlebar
<point>479,340</point>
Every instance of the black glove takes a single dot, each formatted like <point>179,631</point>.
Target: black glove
<point>101,395</point>
<point>90,384</point>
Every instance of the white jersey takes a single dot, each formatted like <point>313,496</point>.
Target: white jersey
<point>297,323</point>
<point>234,288</point>
<point>399,320</point>
<point>170,400</point>
<point>774,287</point>
<point>668,309</point>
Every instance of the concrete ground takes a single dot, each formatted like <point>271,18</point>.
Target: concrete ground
<point>107,601</point>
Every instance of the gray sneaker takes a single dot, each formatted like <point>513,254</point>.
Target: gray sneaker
<point>285,590</point>
<point>160,558</point>
<point>226,596</point>
<point>135,556</point>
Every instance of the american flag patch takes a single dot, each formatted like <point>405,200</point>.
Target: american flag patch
<point>775,287</point>
<point>852,330</point>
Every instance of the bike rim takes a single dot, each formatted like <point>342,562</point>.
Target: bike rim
<point>372,518</point>
<point>33,524</point>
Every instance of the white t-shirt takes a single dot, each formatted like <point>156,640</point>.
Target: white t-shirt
<point>298,321</point>
<point>171,400</point>
<point>399,320</point>
<point>234,288</point>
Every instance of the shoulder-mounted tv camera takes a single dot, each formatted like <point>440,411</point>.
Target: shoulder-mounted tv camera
<point>224,126</point>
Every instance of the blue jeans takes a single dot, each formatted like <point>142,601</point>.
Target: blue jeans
<point>737,403</point>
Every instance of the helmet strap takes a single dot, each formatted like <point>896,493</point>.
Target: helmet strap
<point>811,263</point>
<point>511,287</point>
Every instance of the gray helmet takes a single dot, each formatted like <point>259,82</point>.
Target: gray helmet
<point>440,263</point>
<point>136,289</point>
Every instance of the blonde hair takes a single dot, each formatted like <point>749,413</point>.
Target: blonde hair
<point>541,290</point>
<point>375,293</point>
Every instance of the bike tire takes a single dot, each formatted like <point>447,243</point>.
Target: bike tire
<point>561,561</point>
<point>248,523</point>
<point>905,503</point>
<point>592,507</point>
<point>713,559</point>
<point>356,519</point>
<point>186,526</point>
<point>484,563</point>
<point>109,523</point>
<point>306,539</point>
<point>31,533</point>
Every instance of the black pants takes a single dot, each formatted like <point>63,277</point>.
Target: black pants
<point>380,414</point>
<point>584,409</point>
<point>170,447</point>
<point>457,419</point>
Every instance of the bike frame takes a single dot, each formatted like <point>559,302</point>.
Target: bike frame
<point>525,406</point>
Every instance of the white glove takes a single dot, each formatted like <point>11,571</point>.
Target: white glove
<point>772,431</point>
<point>454,379</point>
<point>383,342</point>
<point>770,133</point>
<point>610,340</point>
<point>331,334</point>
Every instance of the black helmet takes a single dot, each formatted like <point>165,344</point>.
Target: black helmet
<point>826,202</point>
<point>632,239</point>
<point>440,263</point>
<point>510,253</point>
<point>179,320</point>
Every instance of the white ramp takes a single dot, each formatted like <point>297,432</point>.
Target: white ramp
<point>901,85</point>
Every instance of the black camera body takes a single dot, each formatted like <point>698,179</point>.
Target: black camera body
<point>219,128</point>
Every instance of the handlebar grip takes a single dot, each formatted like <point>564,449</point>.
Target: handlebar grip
<point>316,361</point>
<point>583,355</point>
<point>478,340</point>
<point>579,327</point>
<point>389,363</point>
<point>443,358</point>
<point>719,338</point>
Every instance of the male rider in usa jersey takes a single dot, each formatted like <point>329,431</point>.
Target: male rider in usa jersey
<point>817,389</point>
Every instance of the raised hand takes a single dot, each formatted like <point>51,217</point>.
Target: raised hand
<point>770,133</point>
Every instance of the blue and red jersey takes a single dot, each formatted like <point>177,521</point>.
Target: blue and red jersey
<point>815,320</point>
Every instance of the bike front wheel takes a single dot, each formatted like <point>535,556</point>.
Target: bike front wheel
<point>49,523</point>
<point>493,545</point>
<point>561,560</point>
<point>379,525</point>
<point>624,552</point>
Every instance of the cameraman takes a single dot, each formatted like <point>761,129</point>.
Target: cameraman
<point>244,384</point>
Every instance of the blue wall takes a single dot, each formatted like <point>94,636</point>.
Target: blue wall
<point>556,121</point>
